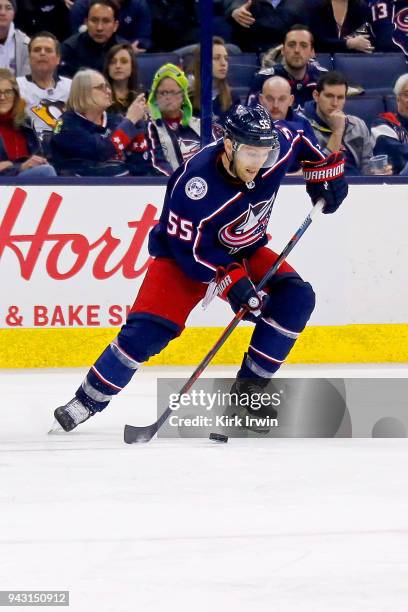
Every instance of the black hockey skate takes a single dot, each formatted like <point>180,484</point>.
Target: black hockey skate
<point>257,420</point>
<point>72,414</point>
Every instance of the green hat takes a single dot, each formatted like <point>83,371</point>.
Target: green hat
<point>170,71</point>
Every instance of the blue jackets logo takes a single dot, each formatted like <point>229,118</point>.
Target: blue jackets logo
<point>248,228</point>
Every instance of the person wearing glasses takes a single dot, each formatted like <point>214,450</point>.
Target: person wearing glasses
<point>172,130</point>
<point>20,152</point>
<point>88,49</point>
<point>88,141</point>
<point>390,130</point>
<point>13,42</point>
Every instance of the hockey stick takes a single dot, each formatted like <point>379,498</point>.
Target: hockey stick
<point>134,434</point>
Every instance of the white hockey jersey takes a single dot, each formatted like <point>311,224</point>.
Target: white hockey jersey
<point>44,106</point>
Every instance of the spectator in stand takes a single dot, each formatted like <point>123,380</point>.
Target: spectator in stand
<point>222,96</point>
<point>44,91</point>
<point>43,15</point>
<point>174,24</point>
<point>259,25</point>
<point>172,130</point>
<point>135,22</point>
<point>297,66</point>
<point>88,49</point>
<point>390,130</point>
<point>13,42</point>
<point>20,152</point>
<point>389,24</point>
<point>340,25</point>
<point>122,75</point>
<point>277,98</point>
<point>88,141</point>
<point>336,131</point>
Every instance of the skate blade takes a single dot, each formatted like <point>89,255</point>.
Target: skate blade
<point>56,428</point>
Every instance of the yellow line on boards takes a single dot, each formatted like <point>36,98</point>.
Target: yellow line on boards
<point>38,348</point>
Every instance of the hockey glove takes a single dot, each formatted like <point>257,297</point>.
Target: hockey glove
<point>325,179</point>
<point>234,285</point>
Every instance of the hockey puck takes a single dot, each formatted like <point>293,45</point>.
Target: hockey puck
<point>218,437</point>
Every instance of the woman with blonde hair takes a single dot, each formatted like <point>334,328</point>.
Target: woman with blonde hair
<point>20,150</point>
<point>222,96</point>
<point>88,141</point>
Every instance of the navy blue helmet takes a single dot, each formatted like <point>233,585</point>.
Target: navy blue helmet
<point>251,125</point>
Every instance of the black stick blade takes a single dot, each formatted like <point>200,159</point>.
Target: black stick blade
<point>134,435</point>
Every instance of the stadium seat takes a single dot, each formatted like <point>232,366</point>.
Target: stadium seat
<point>241,75</point>
<point>390,104</point>
<point>249,59</point>
<point>149,63</point>
<point>376,73</point>
<point>365,107</point>
<point>241,92</point>
<point>325,60</point>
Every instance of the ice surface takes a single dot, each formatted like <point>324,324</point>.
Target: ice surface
<point>252,525</point>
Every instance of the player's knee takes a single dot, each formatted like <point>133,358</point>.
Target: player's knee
<point>291,303</point>
<point>142,337</point>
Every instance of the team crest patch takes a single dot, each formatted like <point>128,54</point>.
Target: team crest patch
<point>196,188</point>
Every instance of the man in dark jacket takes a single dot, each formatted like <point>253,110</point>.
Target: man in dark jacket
<point>88,49</point>
<point>298,67</point>
<point>259,24</point>
<point>135,22</point>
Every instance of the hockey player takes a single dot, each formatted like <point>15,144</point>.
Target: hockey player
<point>213,227</point>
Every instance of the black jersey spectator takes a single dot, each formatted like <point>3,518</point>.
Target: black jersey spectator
<point>277,98</point>
<point>260,24</point>
<point>388,23</point>
<point>88,141</point>
<point>390,130</point>
<point>38,15</point>
<point>121,73</point>
<point>13,42</point>
<point>88,49</point>
<point>135,22</point>
<point>174,24</point>
<point>298,67</point>
<point>340,25</point>
<point>20,151</point>
<point>222,96</point>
